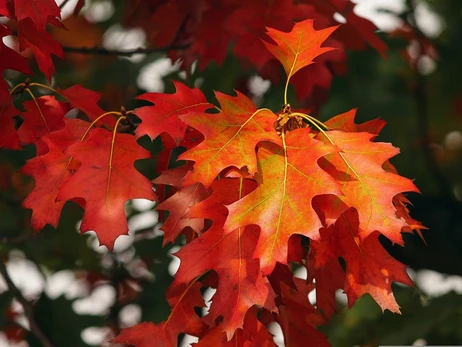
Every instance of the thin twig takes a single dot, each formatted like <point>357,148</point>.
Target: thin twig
<point>63,4</point>
<point>126,53</point>
<point>28,309</point>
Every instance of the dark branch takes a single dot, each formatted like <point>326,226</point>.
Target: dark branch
<point>28,309</point>
<point>126,53</point>
<point>63,4</point>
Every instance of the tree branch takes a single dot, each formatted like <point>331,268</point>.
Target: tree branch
<point>27,306</point>
<point>126,53</point>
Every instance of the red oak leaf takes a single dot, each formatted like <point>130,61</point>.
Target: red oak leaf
<point>345,122</point>
<point>41,44</point>
<point>10,60</point>
<point>178,206</point>
<point>230,137</point>
<point>164,115</point>
<point>173,177</point>
<point>182,319</point>
<point>230,255</point>
<point>323,267</point>
<point>253,333</point>
<point>299,47</point>
<point>298,318</point>
<point>50,171</point>
<point>106,179</point>
<point>365,184</point>
<point>369,267</point>
<point>240,283</point>
<point>9,137</point>
<point>37,10</point>
<point>42,116</point>
<point>289,178</point>
<point>248,26</point>
<point>86,100</point>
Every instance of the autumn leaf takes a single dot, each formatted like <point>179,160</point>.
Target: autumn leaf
<point>10,60</point>
<point>50,171</point>
<point>41,44</point>
<point>253,333</point>
<point>86,100</point>
<point>298,317</point>
<point>324,269</point>
<point>178,206</point>
<point>9,137</point>
<point>369,267</point>
<point>230,137</point>
<point>164,115</point>
<point>42,116</point>
<point>106,179</point>
<point>345,122</point>
<point>289,177</point>
<point>230,255</point>
<point>366,186</point>
<point>38,11</point>
<point>299,47</point>
<point>182,319</point>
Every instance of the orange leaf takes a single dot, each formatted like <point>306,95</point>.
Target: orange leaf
<point>230,138</point>
<point>366,186</point>
<point>369,267</point>
<point>299,47</point>
<point>289,178</point>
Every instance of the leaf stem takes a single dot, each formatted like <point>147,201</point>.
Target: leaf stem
<point>115,113</point>
<point>35,84</point>
<point>17,87</point>
<point>38,107</point>
<point>285,90</point>
<point>310,119</point>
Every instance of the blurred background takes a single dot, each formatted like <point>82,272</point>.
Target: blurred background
<point>84,294</point>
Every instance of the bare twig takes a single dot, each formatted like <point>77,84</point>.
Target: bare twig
<point>28,309</point>
<point>126,53</point>
<point>63,4</point>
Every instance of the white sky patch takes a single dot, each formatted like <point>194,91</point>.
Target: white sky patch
<point>95,336</point>
<point>130,315</point>
<point>258,86</point>
<point>119,38</point>
<point>98,303</point>
<point>25,276</point>
<point>150,77</point>
<point>436,284</point>
<point>65,283</point>
<point>143,204</point>
<point>175,263</point>
<point>99,11</point>
<point>383,21</point>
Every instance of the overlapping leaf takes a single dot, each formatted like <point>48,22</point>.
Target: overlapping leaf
<point>50,171</point>
<point>164,115</point>
<point>369,267</point>
<point>366,186</point>
<point>230,255</point>
<point>106,179</point>
<point>289,177</point>
<point>230,137</point>
<point>182,319</point>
